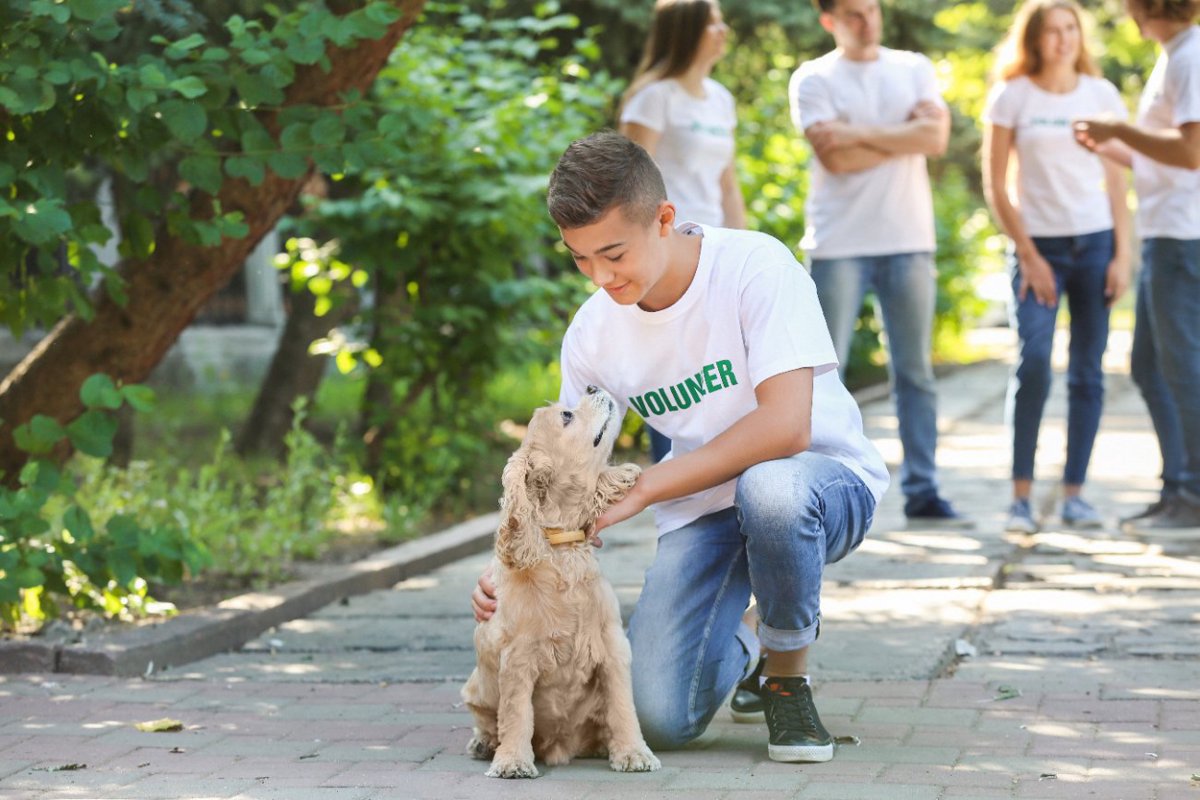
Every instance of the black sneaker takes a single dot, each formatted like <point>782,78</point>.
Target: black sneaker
<point>1152,510</point>
<point>796,732</point>
<point>747,705</point>
<point>932,510</point>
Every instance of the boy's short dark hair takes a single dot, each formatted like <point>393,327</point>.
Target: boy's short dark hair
<point>824,6</point>
<point>1173,10</point>
<point>601,172</point>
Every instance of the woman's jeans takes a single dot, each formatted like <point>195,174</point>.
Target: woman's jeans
<point>1165,361</point>
<point>906,286</point>
<point>791,517</point>
<point>1080,266</point>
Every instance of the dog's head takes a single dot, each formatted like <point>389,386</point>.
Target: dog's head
<point>551,480</point>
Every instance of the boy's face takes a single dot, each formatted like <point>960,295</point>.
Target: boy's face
<point>625,259</point>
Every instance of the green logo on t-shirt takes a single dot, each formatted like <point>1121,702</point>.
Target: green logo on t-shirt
<point>710,378</point>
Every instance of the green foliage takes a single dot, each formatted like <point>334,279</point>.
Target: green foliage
<point>254,524</point>
<point>454,232</point>
<point>53,549</point>
<point>166,116</point>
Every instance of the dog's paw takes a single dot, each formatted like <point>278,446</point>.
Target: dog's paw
<point>480,748</point>
<point>637,760</point>
<point>512,767</point>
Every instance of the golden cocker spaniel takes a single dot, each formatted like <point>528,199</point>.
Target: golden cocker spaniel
<point>552,675</point>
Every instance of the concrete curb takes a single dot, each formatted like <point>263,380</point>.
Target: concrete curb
<point>230,624</point>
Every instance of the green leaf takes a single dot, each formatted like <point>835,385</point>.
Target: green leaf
<point>248,167</point>
<point>190,87</point>
<point>140,398</point>
<point>41,476</point>
<point>91,10</point>
<point>140,98</point>
<point>179,49</point>
<point>328,130</point>
<point>288,165</point>
<point>79,524</point>
<point>255,89</point>
<point>43,221</point>
<point>39,435</point>
<point>92,433</point>
<point>186,121</point>
<point>202,171</point>
<point>152,77</point>
<point>99,391</point>
<point>306,51</point>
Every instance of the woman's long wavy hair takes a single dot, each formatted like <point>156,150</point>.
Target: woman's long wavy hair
<point>1019,54</point>
<point>674,40</point>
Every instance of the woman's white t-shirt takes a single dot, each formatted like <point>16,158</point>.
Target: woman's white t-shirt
<point>1060,185</point>
<point>696,143</point>
<point>1169,197</point>
<point>750,313</point>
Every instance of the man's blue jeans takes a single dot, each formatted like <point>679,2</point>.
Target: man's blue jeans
<point>1165,361</point>
<point>1080,266</point>
<point>791,517</point>
<point>905,286</point>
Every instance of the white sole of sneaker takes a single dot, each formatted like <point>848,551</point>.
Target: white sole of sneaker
<point>748,717</point>
<point>800,754</point>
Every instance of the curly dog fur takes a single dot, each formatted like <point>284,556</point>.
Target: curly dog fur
<point>552,676</point>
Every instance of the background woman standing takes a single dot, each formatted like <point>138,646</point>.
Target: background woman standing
<point>1070,233</point>
<point>684,118</point>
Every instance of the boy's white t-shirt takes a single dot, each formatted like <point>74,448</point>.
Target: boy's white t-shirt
<point>1169,197</point>
<point>878,211</point>
<point>696,143</point>
<point>751,312</point>
<point>1060,185</point>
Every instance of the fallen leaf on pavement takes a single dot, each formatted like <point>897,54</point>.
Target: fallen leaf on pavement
<point>164,725</point>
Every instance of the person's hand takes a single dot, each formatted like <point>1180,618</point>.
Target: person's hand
<point>825,137</point>
<point>927,109</point>
<point>1037,276</point>
<point>1116,280</point>
<point>630,505</point>
<point>1092,133</point>
<point>483,599</point>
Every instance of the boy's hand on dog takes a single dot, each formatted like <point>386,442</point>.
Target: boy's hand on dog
<point>483,599</point>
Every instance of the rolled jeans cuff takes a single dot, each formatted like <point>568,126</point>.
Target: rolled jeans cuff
<point>786,641</point>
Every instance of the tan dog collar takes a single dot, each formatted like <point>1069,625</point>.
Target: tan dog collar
<point>560,536</point>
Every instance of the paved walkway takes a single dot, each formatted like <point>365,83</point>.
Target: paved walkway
<point>967,664</point>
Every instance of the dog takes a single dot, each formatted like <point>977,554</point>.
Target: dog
<point>552,678</point>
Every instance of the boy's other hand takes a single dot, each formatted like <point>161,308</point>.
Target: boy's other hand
<point>483,599</point>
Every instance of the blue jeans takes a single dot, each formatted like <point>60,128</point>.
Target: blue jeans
<point>905,285</point>
<point>1080,266</point>
<point>1165,361</point>
<point>791,517</point>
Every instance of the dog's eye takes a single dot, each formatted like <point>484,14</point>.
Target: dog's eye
<point>567,416</point>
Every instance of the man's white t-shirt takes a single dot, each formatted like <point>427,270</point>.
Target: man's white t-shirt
<point>696,143</point>
<point>1060,185</point>
<point>1169,197</point>
<point>888,208</point>
<point>690,370</point>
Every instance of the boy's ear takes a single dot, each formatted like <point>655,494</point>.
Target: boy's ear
<point>666,217</point>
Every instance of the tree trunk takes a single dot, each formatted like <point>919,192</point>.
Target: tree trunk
<point>293,373</point>
<point>167,289</point>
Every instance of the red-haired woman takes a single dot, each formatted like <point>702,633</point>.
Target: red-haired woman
<point>1070,234</point>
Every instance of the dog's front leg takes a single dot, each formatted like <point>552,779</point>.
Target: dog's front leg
<point>627,749</point>
<point>514,756</point>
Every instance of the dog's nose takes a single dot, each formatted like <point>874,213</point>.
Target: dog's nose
<point>592,390</point>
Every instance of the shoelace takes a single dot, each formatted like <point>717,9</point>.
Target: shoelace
<point>793,714</point>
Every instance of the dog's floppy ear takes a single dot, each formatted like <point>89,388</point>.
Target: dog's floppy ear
<point>613,484</point>
<point>526,478</point>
